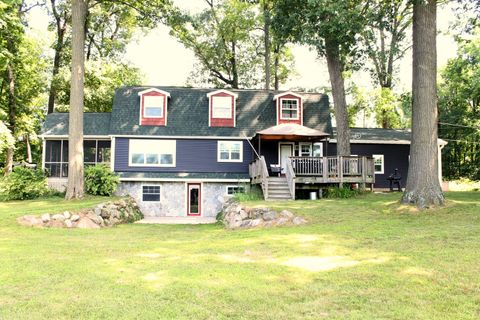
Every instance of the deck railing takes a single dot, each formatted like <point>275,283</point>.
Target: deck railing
<point>259,173</point>
<point>335,168</point>
<point>290,175</point>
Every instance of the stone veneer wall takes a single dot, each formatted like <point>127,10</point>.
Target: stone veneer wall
<point>59,184</point>
<point>173,201</point>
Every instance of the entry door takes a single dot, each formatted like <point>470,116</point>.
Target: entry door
<point>286,150</point>
<point>194,199</point>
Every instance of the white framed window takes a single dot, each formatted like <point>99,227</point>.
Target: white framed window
<point>318,149</point>
<point>289,109</point>
<point>222,107</point>
<point>232,190</point>
<point>230,151</point>
<point>305,149</point>
<point>151,193</point>
<point>153,106</point>
<point>152,153</point>
<point>378,161</point>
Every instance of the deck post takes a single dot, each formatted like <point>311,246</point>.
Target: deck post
<point>325,169</point>
<point>340,170</point>
<point>364,172</point>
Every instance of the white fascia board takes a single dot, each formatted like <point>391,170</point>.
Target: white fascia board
<point>275,97</point>
<point>141,93</point>
<point>65,136</point>
<point>182,137</point>
<point>222,91</point>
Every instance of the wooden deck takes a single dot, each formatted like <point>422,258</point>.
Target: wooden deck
<point>318,170</point>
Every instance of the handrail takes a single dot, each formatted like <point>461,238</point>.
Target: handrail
<point>290,175</point>
<point>259,173</point>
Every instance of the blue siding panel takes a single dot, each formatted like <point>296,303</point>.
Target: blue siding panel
<point>193,155</point>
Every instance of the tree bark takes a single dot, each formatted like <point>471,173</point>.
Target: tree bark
<point>12,105</point>
<point>276,65</point>
<point>61,29</point>
<point>266,39</point>
<point>29,148</point>
<point>75,137</point>
<point>423,186</point>
<point>335,69</point>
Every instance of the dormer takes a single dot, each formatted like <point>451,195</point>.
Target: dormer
<point>221,108</point>
<point>289,106</point>
<point>153,107</point>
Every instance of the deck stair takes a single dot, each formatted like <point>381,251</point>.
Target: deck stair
<point>278,189</point>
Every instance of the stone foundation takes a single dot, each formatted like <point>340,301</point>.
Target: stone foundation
<point>59,184</point>
<point>173,198</point>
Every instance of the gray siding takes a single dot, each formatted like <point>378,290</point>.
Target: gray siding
<point>193,155</point>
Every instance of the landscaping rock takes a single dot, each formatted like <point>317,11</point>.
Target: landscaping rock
<point>87,223</point>
<point>58,217</point>
<point>102,215</point>
<point>235,216</point>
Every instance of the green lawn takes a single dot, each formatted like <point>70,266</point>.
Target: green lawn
<point>356,259</point>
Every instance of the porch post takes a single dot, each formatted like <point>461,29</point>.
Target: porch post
<point>259,144</point>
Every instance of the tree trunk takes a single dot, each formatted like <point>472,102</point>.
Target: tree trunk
<point>12,105</point>
<point>266,38</point>
<point>335,69</point>
<point>233,61</point>
<point>276,64</point>
<point>423,187</point>
<point>29,148</point>
<point>75,137</point>
<point>56,67</point>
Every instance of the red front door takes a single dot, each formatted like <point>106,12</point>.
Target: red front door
<point>194,199</point>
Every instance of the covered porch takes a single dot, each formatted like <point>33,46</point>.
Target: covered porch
<point>291,156</point>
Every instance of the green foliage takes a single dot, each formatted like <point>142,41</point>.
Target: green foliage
<point>342,193</point>
<point>360,104</point>
<point>6,138</point>
<point>101,80</point>
<point>100,180</point>
<point>459,104</point>
<point>252,193</point>
<point>22,184</point>
<point>386,107</point>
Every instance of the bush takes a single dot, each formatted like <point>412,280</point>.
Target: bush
<point>342,193</point>
<point>100,180</point>
<point>23,183</point>
<point>252,193</point>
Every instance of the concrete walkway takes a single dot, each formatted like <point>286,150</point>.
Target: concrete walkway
<point>177,220</point>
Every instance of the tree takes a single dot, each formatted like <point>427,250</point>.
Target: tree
<point>459,104</point>
<point>388,112</point>
<point>384,38</point>
<point>223,40</point>
<point>75,123</point>
<point>332,28</point>
<point>423,186</point>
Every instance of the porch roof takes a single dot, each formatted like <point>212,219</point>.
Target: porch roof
<point>293,132</point>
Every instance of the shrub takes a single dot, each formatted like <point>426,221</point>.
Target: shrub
<point>252,193</point>
<point>100,180</point>
<point>24,183</point>
<point>342,193</point>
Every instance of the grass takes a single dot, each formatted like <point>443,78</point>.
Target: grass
<point>363,258</point>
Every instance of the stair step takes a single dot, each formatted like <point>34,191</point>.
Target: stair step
<point>279,198</point>
<point>285,189</point>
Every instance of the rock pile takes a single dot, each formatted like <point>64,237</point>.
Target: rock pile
<point>235,216</point>
<point>103,215</point>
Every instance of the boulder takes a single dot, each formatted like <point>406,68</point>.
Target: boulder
<point>75,218</point>
<point>281,221</point>
<point>298,220</point>
<point>58,217</point>
<point>269,215</point>
<point>87,223</point>
<point>243,214</point>
<point>45,217</point>
<point>30,221</point>
<point>287,214</point>
<point>67,215</point>
<point>97,211</point>
<point>68,223</point>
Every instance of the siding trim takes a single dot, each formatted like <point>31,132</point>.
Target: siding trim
<point>184,179</point>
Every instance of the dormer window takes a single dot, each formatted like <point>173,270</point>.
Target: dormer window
<point>221,110</point>
<point>289,107</point>
<point>153,107</point>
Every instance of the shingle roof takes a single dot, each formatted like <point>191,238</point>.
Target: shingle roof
<point>378,134</point>
<point>97,124</point>
<point>188,114</point>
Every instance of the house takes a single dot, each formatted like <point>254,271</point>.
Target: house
<point>183,151</point>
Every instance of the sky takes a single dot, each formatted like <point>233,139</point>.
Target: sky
<point>164,61</point>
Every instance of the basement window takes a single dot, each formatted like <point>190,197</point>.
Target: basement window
<point>232,190</point>
<point>151,193</point>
